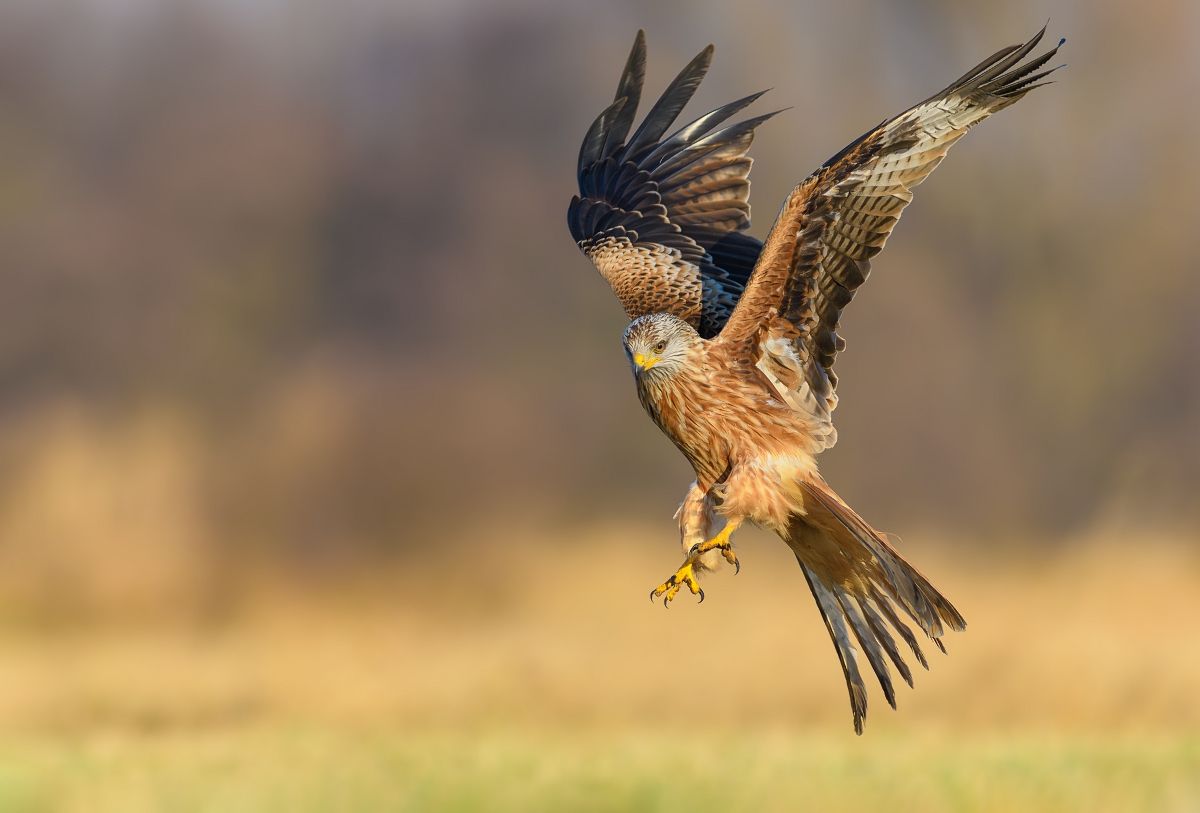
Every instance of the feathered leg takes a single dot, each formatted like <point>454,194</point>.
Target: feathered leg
<point>696,519</point>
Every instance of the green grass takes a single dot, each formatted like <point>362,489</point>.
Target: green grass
<point>326,769</point>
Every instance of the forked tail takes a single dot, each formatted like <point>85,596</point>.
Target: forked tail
<point>858,581</point>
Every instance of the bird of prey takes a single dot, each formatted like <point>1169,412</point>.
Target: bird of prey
<point>733,341</point>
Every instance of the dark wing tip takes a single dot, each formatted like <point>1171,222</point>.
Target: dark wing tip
<point>635,67</point>
<point>739,129</point>
<point>597,135</point>
<point>1001,75</point>
<point>633,76</point>
<point>670,104</point>
<point>696,130</point>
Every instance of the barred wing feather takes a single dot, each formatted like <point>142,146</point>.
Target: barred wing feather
<point>820,248</point>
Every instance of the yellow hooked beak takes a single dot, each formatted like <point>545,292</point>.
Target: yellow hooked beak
<point>641,361</point>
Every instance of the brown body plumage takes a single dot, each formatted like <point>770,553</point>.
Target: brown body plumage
<point>726,419</point>
<point>734,341</point>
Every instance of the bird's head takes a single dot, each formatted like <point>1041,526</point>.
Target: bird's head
<point>658,344</point>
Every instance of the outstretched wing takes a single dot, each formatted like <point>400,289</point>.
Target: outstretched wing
<point>664,220</point>
<point>819,250</point>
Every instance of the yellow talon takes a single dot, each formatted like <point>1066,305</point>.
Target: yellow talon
<point>687,575</point>
<point>671,586</point>
<point>720,542</point>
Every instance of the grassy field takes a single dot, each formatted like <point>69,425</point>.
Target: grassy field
<point>540,678</point>
<point>331,769</point>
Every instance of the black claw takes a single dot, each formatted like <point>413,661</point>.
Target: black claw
<point>652,592</point>
<point>665,605</point>
<point>701,589</point>
<point>737,567</point>
<point>692,549</point>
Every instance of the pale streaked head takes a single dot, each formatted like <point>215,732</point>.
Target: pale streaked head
<point>658,345</point>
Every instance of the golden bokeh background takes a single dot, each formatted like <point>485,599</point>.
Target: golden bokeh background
<point>323,484</point>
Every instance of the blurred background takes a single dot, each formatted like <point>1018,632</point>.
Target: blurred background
<point>312,414</point>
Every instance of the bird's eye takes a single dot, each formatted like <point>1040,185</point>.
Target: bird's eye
<point>661,346</point>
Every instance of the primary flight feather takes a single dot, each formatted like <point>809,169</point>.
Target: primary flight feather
<point>733,341</point>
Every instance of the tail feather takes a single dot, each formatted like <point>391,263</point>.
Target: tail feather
<point>828,606</point>
<point>859,581</point>
<point>869,643</point>
<point>902,628</point>
<point>903,581</point>
<point>897,582</point>
<point>880,631</point>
